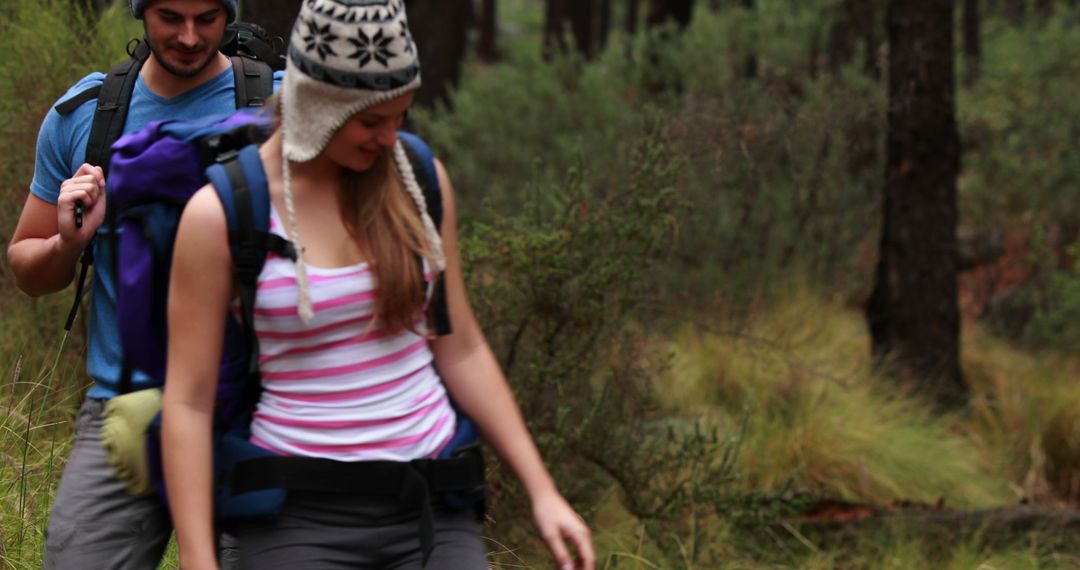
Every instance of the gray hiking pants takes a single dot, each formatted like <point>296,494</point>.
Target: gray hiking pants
<point>333,532</point>
<point>95,523</point>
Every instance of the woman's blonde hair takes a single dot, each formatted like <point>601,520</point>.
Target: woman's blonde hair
<point>387,218</point>
<point>383,219</point>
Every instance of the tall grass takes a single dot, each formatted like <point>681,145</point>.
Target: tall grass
<point>820,416</point>
<point>47,46</point>
<point>36,411</point>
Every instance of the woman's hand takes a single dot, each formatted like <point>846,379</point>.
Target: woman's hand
<point>558,523</point>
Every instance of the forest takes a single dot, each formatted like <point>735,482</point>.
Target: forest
<point>776,283</point>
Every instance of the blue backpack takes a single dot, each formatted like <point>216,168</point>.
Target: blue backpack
<point>154,172</point>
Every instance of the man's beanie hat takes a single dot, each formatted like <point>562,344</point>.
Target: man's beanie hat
<point>344,56</point>
<point>138,7</point>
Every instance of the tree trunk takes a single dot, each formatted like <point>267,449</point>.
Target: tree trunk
<point>912,312</point>
<point>632,15</point>
<point>841,49</point>
<point>750,65</point>
<point>972,41</point>
<point>589,22</point>
<point>660,14</point>
<point>857,21</point>
<point>679,11</point>
<point>867,22</point>
<point>1016,11</point>
<point>276,16</point>
<point>815,51</point>
<point>100,5</point>
<point>1045,9</point>
<point>486,47</point>
<point>440,29</point>
<point>554,21</point>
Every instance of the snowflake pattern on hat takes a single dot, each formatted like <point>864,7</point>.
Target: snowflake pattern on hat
<point>372,47</point>
<point>343,56</point>
<point>319,39</point>
<point>355,44</point>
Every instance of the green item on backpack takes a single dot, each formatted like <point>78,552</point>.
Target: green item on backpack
<point>123,435</point>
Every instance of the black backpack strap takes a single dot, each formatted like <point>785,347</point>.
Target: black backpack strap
<point>84,267</point>
<point>67,107</point>
<point>247,259</point>
<point>242,188</point>
<point>254,81</point>
<point>114,98</point>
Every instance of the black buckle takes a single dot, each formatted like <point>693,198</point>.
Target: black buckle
<point>472,452</point>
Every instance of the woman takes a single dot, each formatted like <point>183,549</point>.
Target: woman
<point>348,369</point>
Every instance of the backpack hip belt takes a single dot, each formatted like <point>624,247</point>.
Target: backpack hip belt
<point>416,484</point>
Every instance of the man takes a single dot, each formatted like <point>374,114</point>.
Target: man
<point>95,522</point>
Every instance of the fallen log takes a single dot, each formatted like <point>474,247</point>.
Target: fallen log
<point>840,522</point>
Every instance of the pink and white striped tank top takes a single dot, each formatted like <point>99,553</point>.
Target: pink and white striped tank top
<point>335,388</point>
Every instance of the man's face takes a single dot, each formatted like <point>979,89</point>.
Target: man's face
<point>184,35</point>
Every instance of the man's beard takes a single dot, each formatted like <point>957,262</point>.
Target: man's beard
<point>179,72</point>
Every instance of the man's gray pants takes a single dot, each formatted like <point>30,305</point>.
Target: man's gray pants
<point>95,523</point>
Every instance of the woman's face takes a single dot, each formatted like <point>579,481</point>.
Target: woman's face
<point>360,141</point>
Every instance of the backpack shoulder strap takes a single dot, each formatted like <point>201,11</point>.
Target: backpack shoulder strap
<point>423,163</point>
<point>240,183</point>
<point>114,98</point>
<point>254,81</point>
<point>67,107</point>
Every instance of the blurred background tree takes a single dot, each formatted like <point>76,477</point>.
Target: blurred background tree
<point>913,311</point>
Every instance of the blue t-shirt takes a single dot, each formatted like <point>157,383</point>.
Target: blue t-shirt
<point>61,150</point>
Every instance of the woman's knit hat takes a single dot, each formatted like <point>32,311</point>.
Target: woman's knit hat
<point>345,56</point>
<point>138,7</point>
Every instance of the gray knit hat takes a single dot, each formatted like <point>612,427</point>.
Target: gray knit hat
<point>344,56</point>
<point>138,7</point>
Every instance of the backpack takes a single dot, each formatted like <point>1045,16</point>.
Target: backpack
<point>254,61</point>
<point>155,172</point>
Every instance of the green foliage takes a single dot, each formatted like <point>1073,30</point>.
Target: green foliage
<point>1020,124</point>
<point>47,46</point>
<point>788,184</point>
<point>554,285</point>
<point>1057,320</point>
<point>781,175</point>
<point>557,113</point>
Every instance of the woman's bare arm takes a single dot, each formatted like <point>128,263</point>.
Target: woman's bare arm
<point>476,382</point>
<point>199,293</point>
